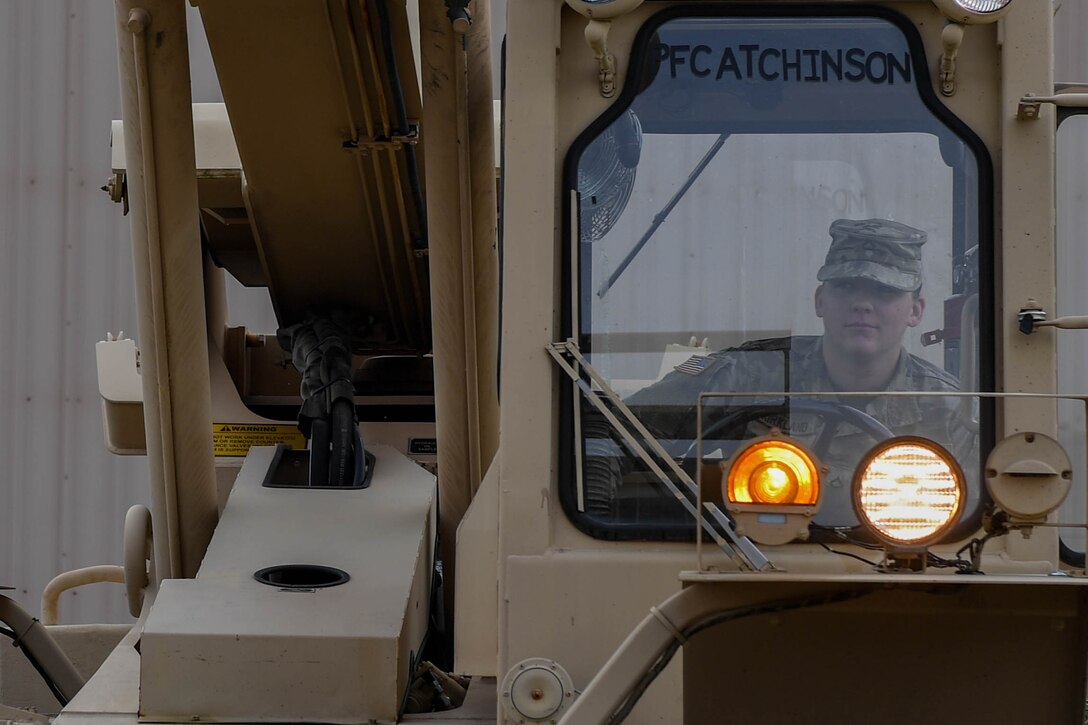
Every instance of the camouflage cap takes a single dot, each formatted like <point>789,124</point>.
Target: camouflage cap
<point>880,250</point>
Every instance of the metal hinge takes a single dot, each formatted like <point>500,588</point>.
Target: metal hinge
<point>394,142</point>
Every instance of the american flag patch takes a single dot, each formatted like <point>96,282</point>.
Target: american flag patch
<point>694,365</point>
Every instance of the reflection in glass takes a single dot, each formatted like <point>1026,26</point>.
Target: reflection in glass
<point>797,220</point>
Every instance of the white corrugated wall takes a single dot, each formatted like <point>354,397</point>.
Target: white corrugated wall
<point>65,279</point>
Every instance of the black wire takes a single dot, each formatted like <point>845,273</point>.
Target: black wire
<point>718,618</point>
<point>10,634</point>
<point>841,534</point>
<point>852,556</point>
<point>1069,555</point>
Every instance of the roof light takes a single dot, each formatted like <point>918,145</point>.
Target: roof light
<point>772,488</point>
<point>972,12</point>
<point>773,471</point>
<point>1029,475</point>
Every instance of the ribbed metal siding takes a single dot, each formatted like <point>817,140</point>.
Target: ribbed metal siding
<point>65,279</point>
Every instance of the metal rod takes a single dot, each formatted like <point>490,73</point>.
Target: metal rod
<point>402,119</point>
<point>138,22</point>
<point>409,151</point>
<point>383,204</point>
<point>468,265</point>
<point>594,400</point>
<point>353,125</point>
<point>664,213</point>
<point>747,548</point>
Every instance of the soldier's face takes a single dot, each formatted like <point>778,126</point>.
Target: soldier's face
<point>864,318</point>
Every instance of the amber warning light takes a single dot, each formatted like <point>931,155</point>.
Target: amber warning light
<point>772,489</point>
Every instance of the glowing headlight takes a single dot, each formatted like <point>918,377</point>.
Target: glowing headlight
<point>973,11</point>
<point>772,489</point>
<point>909,491</point>
<point>982,6</point>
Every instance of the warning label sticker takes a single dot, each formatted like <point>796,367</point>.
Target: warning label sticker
<point>235,439</point>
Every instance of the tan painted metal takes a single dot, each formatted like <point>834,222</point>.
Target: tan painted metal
<point>527,491</point>
<point>1027,258</point>
<point>477,593</point>
<point>530,584</point>
<point>323,166</point>
<point>463,257</point>
<point>166,252</point>
<point>72,579</point>
<point>246,651</point>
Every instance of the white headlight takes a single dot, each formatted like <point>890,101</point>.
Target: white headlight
<point>909,492</point>
<point>973,11</point>
<point>982,6</point>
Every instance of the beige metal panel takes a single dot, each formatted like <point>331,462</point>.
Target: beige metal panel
<point>334,226</point>
<point>303,657</point>
<point>477,595</point>
<point>153,58</point>
<point>463,260</point>
<point>871,652</point>
<point>1027,264</point>
<point>65,280</point>
<point>576,607</point>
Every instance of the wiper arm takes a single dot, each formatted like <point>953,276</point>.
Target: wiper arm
<point>664,213</point>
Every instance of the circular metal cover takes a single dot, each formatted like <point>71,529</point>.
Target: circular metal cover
<point>535,690</point>
<point>1028,475</point>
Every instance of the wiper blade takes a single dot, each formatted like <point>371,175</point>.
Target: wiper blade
<point>664,213</point>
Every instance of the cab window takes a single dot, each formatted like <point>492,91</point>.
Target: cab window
<point>777,204</point>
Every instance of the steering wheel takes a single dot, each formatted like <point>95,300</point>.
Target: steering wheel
<point>833,415</point>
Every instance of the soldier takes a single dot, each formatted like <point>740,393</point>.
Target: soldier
<point>870,295</point>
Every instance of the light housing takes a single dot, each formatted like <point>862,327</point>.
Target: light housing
<point>909,492</point>
<point>974,12</point>
<point>771,486</point>
<point>1028,475</point>
<point>603,9</point>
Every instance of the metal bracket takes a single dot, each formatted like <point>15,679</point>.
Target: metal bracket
<point>597,37</point>
<point>1028,108</point>
<point>1030,316</point>
<point>379,143</point>
<point>1031,104</point>
<point>739,548</point>
<point>951,39</point>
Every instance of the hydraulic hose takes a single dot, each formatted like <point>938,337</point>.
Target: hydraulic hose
<point>342,433</point>
<point>402,120</point>
<point>320,349</point>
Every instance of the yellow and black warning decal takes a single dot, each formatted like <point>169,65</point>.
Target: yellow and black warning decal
<point>235,439</point>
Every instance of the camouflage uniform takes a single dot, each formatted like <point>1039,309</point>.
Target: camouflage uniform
<point>882,251</point>
<point>795,364</point>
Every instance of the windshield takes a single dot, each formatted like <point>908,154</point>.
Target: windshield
<point>780,206</point>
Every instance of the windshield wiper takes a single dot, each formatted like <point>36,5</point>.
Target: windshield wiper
<point>664,213</point>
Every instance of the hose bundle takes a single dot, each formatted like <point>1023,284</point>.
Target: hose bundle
<point>320,348</point>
